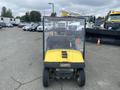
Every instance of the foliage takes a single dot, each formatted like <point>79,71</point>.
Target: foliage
<point>33,16</point>
<point>6,12</point>
<point>53,14</point>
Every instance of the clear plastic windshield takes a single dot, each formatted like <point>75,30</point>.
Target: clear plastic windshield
<point>64,33</point>
<point>114,17</point>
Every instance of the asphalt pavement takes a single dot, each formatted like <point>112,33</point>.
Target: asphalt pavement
<point>21,64</point>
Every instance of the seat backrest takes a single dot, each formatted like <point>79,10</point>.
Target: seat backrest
<point>58,42</point>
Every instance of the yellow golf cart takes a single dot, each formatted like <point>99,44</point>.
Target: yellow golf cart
<point>64,48</point>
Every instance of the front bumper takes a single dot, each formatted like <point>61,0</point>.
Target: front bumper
<point>113,25</point>
<point>64,65</point>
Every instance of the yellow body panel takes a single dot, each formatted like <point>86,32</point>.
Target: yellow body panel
<point>73,56</point>
<point>64,13</point>
<point>115,12</point>
<point>114,21</point>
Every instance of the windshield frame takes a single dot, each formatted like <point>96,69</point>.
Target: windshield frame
<point>63,19</point>
<point>113,17</point>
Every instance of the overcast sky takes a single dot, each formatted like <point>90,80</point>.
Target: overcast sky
<point>86,7</point>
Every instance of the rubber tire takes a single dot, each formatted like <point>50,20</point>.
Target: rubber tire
<point>45,78</point>
<point>81,78</point>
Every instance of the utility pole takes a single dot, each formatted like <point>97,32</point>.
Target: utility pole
<point>52,7</point>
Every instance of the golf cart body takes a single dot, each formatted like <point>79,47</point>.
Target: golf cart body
<point>64,46</point>
<point>64,38</point>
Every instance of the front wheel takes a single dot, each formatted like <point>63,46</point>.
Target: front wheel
<point>81,78</point>
<point>45,78</point>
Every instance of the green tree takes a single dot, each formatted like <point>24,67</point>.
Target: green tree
<point>9,13</point>
<point>22,18</point>
<point>53,14</point>
<point>6,13</point>
<point>35,16</point>
<point>3,12</point>
<point>18,17</point>
<point>27,17</point>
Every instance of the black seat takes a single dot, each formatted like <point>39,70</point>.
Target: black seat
<point>58,42</point>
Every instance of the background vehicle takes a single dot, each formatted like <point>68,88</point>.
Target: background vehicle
<point>39,28</point>
<point>64,50</point>
<point>99,23</point>
<point>21,25</point>
<point>2,24</point>
<point>13,21</point>
<point>34,27</point>
<point>28,27</point>
<point>75,26</point>
<point>9,25</point>
<point>47,26</point>
<point>107,30</point>
<point>112,20</point>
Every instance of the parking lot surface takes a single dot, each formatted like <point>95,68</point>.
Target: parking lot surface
<point>21,64</point>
